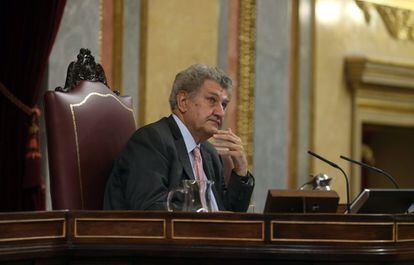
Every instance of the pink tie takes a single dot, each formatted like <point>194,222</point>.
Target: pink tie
<point>200,176</point>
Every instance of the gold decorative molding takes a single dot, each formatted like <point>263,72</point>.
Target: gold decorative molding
<point>398,16</point>
<point>360,70</point>
<point>246,75</point>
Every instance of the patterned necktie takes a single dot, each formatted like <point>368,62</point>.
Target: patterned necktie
<point>200,176</point>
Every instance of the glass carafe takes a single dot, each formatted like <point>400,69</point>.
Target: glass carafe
<point>193,196</point>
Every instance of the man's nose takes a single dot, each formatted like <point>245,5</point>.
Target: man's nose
<point>219,110</point>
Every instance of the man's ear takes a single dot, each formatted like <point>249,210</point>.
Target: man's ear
<point>182,101</point>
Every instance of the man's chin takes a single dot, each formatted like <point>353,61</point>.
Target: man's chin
<point>209,132</point>
<point>214,129</point>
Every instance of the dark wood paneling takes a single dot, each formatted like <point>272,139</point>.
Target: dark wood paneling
<point>405,232</point>
<point>32,226</point>
<point>325,231</point>
<point>218,230</point>
<point>119,228</point>
<point>14,230</point>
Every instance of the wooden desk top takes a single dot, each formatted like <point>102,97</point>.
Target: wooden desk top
<point>218,236</point>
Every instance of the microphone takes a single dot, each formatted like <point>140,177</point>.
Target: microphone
<point>391,178</point>
<point>332,164</point>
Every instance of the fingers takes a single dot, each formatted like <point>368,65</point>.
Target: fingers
<point>222,151</point>
<point>225,136</point>
<point>229,144</point>
<point>226,141</point>
<point>227,152</point>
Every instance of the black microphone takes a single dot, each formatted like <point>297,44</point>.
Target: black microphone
<point>373,169</point>
<point>332,164</point>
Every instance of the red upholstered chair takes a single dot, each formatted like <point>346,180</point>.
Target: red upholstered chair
<point>87,126</point>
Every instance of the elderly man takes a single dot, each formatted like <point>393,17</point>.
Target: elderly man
<point>162,154</point>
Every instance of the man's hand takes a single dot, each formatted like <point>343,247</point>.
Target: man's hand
<point>229,144</point>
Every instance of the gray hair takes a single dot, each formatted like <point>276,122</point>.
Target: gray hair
<point>192,78</point>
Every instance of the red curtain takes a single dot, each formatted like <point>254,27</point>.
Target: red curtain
<point>27,32</point>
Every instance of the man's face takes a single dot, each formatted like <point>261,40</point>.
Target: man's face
<point>203,111</point>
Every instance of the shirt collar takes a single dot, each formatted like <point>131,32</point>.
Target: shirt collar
<point>189,141</point>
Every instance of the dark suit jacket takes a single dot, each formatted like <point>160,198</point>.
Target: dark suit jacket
<point>155,161</point>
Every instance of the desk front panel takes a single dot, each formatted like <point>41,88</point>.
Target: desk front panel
<point>111,237</point>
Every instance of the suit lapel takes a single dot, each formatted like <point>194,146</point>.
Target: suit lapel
<point>181,149</point>
<point>183,156</point>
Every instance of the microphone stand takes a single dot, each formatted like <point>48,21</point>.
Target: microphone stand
<point>332,164</point>
<point>373,169</point>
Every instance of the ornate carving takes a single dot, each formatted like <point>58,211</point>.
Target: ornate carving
<point>84,68</point>
<point>245,110</point>
<point>365,9</point>
<point>398,21</point>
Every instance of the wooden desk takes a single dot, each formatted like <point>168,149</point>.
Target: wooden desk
<point>134,237</point>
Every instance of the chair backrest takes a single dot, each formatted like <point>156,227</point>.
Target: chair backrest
<point>86,129</point>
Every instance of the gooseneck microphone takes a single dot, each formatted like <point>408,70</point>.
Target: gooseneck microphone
<point>332,164</point>
<point>391,178</point>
